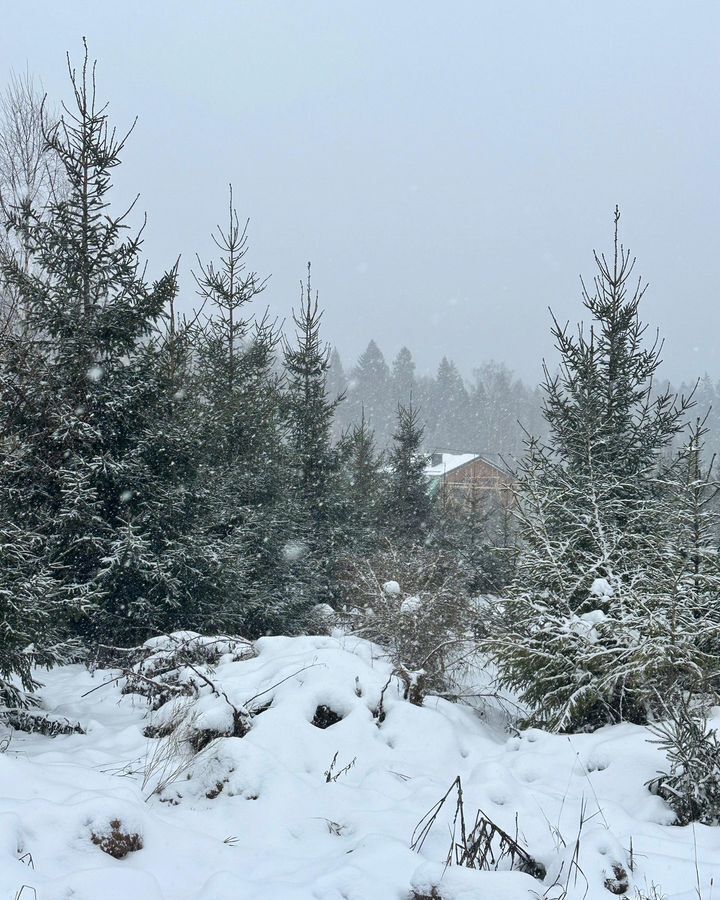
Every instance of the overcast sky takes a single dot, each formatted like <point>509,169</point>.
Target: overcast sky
<point>448,167</point>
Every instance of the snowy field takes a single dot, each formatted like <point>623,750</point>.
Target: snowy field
<point>270,816</point>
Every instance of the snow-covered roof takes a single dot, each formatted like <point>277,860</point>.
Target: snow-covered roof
<point>450,462</point>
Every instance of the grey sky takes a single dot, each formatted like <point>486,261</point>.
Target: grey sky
<point>448,167</point>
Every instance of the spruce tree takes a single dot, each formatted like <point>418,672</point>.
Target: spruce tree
<point>316,509</point>
<point>78,395</point>
<point>403,377</point>
<point>369,392</point>
<point>243,463</point>
<point>591,629</point>
<point>234,349</point>
<point>692,555</point>
<point>364,478</point>
<point>408,505</point>
<point>337,382</point>
<point>450,407</point>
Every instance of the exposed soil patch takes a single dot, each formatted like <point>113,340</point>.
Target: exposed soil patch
<point>325,717</point>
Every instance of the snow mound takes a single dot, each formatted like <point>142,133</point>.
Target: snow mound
<point>310,778</point>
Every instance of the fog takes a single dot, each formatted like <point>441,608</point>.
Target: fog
<point>448,168</point>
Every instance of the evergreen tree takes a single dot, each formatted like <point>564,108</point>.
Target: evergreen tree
<point>240,443</point>
<point>403,377</point>
<point>408,504</point>
<point>369,391</point>
<point>692,554</point>
<point>157,554</point>
<point>317,508</point>
<point>337,382</point>
<point>77,390</point>
<point>364,491</point>
<point>337,386</point>
<point>234,361</point>
<point>309,409</point>
<point>450,407</point>
<point>595,624</point>
<point>33,609</point>
<point>706,394</point>
<point>477,531</point>
<point>503,411</point>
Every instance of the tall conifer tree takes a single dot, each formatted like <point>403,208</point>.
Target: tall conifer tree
<point>408,504</point>
<point>591,625</point>
<point>77,387</point>
<point>314,463</point>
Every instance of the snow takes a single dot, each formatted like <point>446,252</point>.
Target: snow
<point>584,625</point>
<point>450,461</point>
<point>391,588</point>
<point>270,816</point>
<point>95,373</point>
<point>294,551</point>
<point>410,606</point>
<point>601,587</point>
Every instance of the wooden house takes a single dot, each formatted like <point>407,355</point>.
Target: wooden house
<point>469,479</point>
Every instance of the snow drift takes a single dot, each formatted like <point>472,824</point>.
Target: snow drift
<point>293,769</point>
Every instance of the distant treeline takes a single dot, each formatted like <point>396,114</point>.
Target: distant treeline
<point>493,413</point>
<point>489,414</point>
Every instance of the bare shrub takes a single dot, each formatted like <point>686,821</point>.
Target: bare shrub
<point>411,602</point>
<point>174,673</point>
<point>167,666</point>
<point>30,178</point>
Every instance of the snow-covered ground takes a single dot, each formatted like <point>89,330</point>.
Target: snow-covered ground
<point>259,817</point>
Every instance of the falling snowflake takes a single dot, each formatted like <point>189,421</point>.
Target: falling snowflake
<point>294,551</point>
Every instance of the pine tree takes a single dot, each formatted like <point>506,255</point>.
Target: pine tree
<point>408,504</point>
<point>591,629</point>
